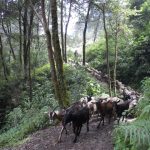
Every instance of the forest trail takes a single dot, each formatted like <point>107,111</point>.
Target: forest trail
<point>95,139</point>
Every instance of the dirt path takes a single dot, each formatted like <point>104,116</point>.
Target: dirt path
<point>95,139</point>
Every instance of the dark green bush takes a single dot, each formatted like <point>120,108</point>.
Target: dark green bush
<point>80,83</point>
<point>136,135</point>
<point>31,122</point>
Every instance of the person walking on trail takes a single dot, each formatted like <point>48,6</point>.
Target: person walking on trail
<point>75,56</point>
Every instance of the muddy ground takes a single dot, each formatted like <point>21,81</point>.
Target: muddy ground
<point>95,139</point>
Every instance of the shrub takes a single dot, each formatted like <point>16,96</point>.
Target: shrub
<point>95,54</point>
<point>136,135</point>
<point>39,74</point>
<point>30,123</point>
<point>80,83</point>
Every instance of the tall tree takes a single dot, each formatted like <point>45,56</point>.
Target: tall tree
<point>107,46</point>
<point>96,28</point>
<point>57,53</point>
<point>102,7</point>
<point>28,16</point>
<point>29,51</point>
<point>55,57</point>
<point>84,31</point>
<point>20,34</point>
<point>51,54</point>
<point>116,55</point>
<point>2,59</point>
<point>62,31</point>
<point>25,26</point>
<point>7,31</point>
<point>66,30</point>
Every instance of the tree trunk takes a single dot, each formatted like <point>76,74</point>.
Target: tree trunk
<point>29,51</point>
<point>2,59</point>
<point>51,56</point>
<point>25,53</point>
<point>107,48</point>
<point>37,43</point>
<point>27,36</point>
<point>84,32</point>
<point>8,34</point>
<point>49,13</point>
<point>96,29</point>
<point>115,63</point>
<point>66,29</point>
<point>20,39</point>
<point>57,54</point>
<point>62,33</point>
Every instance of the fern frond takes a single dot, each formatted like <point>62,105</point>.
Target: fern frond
<point>145,113</point>
<point>139,132</point>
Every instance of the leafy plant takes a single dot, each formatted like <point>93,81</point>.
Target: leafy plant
<point>136,135</point>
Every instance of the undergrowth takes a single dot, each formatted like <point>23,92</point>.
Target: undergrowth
<point>136,135</point>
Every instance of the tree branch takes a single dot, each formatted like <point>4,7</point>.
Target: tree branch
<point>99,7</point>
<point>36,13</point>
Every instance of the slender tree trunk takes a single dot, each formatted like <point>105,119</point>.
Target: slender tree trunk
<point>107,48</point>
<point>20,39</point>
<point>57,54</point>
<point>9,39</point>
<point>51,56</point>
<point>37,44</point>
<point>62,33</point>
<point>29,51</point>
<point>96,29</point>
<point>115,63</point>
<point>49,12</point>
<point>8,34</point>
<point>2,59</point>
<point>30,78</point>
<point>38,37</point>
<point>84,31</point>
<point>53,69</point>
<point>66,30</point>
<point>25,53</point>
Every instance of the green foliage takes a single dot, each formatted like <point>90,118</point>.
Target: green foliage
<point>145,101</point>
<point>140,50</point>
<point>133,136</point>
<point>136,135</point>
<point>29,116</point>
<point>133,42</point>
<point>75,81</point>
<point>14,117</point>
<point>96,57</point>
<point>95,54</point>
<point>36,119</point>
<point>40,73</point>
<point>80,83</point>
